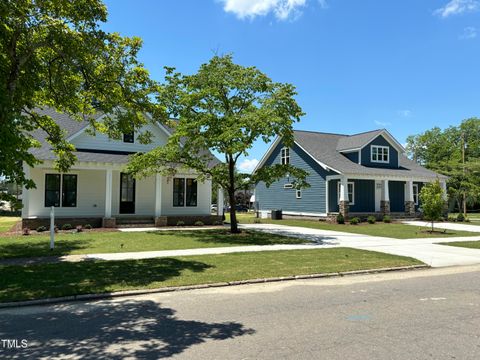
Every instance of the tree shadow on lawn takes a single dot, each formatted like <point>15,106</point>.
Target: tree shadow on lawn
<point>24,248</point>
<point>140,329</point>
<point>72,278</point>
<point>223,236</point>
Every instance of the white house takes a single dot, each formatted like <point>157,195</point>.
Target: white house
<point>96,191</point>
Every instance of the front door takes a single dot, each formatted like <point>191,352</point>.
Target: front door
<point>127,194</point>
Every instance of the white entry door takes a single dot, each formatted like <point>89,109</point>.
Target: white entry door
<point>378,195</point>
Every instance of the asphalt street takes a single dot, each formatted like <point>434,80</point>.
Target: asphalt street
<point>424,314</point>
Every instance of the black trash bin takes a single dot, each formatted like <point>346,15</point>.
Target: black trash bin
<point>277,214</point>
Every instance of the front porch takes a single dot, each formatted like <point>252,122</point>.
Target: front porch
<point>361,197</point>
<point>101,195</point>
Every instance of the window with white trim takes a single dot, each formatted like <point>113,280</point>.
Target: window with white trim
<point>351,192</point>
<point>415,194</point>
<point>285,156</point>
<point>380,154</point>
<point>298,194</point>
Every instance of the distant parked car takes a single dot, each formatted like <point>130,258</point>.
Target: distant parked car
<point>239,208</point>
<point>213,208</point>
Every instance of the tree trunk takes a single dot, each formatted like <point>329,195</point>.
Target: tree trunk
<point>432,227</point>
<point>465,204</point>
<point>231,196</point>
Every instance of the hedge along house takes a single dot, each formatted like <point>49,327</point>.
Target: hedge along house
<point>96,191</point>
<point>356,175</point>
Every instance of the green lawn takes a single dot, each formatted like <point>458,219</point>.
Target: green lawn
<point>392,230</point>
<point>6,223</point>
<point>464,244</point>
<point>61,279</point>
<point>108,242</point>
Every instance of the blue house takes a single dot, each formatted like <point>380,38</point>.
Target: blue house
<point>356,175</point>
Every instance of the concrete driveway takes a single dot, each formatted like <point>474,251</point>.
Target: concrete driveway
<point>428,251</point>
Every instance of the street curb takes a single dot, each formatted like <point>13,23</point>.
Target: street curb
<point>85,297</point>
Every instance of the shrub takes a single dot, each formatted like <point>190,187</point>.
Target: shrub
<point>355,221</point>
<point>218,222</point>
<point>41,229</point>
<point>79,228</point>
<point>67,227</point>
<point>467,220</point>
<point>452,219</point>
<point>26,231</point>
<point>387,219</point>
<point>340,219</point>
<point>55,229</point>
<point>371,219</point>
<point>460,217</point>
<point>199,223</point>
<point>257,221</point>
<point>180,223</point>
<point>87,226</point>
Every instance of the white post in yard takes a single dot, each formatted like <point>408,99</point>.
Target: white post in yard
<point>52,228</point>
<point>220,202</point>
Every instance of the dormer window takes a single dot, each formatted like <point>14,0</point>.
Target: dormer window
<point>380,154</point>
<point>128,138</point>
<point>285,156</point>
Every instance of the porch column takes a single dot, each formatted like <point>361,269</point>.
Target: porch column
<point>385,199</point>
<point>108,221</point>
<point>159,219</point>
<point>220,202</point>
<point>343,204</point>
<point>25,193</point>
<point>409,200</point>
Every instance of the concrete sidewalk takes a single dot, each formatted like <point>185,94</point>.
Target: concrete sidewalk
<point>448,226</point>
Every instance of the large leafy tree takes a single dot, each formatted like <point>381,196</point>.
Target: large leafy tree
<point>223,108</point>
<point>454,152</point>
<point>54,53</point>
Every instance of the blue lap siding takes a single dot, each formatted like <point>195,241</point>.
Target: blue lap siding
<point>277,197</point>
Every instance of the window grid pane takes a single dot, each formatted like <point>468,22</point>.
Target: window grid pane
<point>52,190</point>
<point>191,192</point>
<point>69,191</point>
<point>178,192</point>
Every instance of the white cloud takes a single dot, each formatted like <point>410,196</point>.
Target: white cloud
<point>247,165</point>
<point>468,33</point>
<point>282,9</point>
<point>456,7</point>
<point>381,123</point>
<point>405,113</point>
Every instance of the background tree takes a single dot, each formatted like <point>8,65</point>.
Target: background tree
<point>54,53</point>
<point>223,108</point>
<point>433,202</point>
<point>454,152</point>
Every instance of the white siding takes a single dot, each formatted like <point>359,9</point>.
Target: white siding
<point>101,141</point>
<point>204,194</point>
<point>91,196</point>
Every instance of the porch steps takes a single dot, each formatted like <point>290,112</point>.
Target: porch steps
<point>128,222</point>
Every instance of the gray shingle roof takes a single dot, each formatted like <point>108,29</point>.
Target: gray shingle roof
<point>71,126</point>
<point>357,141</point>
<point>323,148</point>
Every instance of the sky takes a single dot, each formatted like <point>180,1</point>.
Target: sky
<point>358,65</point>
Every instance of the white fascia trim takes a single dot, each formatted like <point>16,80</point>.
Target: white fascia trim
<point>323,165</point>
<point>390,139</point>
<point>82,130</point>
<point>267,154</point>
